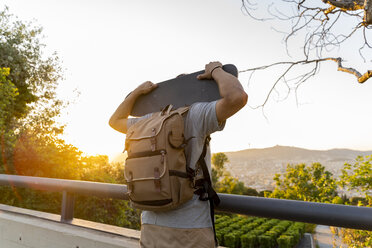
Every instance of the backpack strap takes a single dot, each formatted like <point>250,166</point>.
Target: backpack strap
<point>206,192</point>
<point>166,110</point>
<point>183,110</point>
<point>176,138</point>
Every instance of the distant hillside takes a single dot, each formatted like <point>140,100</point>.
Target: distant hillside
<point>257,167</point>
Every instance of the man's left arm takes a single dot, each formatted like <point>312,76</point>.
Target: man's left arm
<point>118,120</point>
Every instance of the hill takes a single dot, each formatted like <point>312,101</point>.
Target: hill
<point>257,167</point>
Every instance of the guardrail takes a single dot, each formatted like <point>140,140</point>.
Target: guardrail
<point>310,212</point>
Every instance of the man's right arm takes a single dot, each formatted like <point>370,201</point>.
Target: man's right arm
<point>119,118</point>
<point>233,96</point>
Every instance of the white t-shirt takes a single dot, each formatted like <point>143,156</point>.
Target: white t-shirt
<point>200,121</point>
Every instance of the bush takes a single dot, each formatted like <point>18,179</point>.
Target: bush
<point>235,226</point>
<point>219,237</point>
<point>232,239</point>
<point>256,232</point>
<point>248,240</point>
<point>266,241</point>
<point>248,227</point>
<point>285,241</point>
<point>273,234</point>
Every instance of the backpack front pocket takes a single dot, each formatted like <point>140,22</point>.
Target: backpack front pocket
<point>148,179</point>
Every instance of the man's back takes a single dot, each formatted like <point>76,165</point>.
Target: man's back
<point>190,224</point>
<point>200,121</point>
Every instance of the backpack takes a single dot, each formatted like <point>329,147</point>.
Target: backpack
<point>155,171</point>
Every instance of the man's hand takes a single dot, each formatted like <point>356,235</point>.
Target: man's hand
<point>209,69</point>
<point>118,120</point>
<point>233,96</point>
<point>145,88</point>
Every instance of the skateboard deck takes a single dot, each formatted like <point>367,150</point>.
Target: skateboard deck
<point>181,91</point>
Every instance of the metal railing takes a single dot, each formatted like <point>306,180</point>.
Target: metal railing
<point>310,212</point>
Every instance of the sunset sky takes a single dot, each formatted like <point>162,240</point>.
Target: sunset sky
<point>108,47</point>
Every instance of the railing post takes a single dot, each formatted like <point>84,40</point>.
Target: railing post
<point>67,209</point>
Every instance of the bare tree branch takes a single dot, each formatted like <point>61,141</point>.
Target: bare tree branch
<point>361,78</point>
<point>346,4</point>
<point>327,26</point>
<point>368,12</point>
<point>323,26</point>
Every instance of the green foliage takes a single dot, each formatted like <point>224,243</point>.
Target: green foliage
<point>32,199</point>
<point>358,176</point>
<point>257,232</point>
<point>93,168</point>
<point>306,183</point>
<point>358,201</point>
<point>285,241</point>
<point>35,148</point>
<point>248,241</point>
<point>46,156</point>
<point>250,191</point>
<point>218,161</point>
<point>266,241</point>
<point>222,180</point>
<point>8,94</point>
<point>231,185</point>
<point>356,238</point>
<point>28,86</point>
<point>34,75</point>
<point>109,211</point>
<point>310,228</point>
<point>314,183</point>
<point>232,239</point>
<point>337,200</point>
<point>218,169</point>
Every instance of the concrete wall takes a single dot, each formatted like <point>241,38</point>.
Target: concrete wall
<point>22,228</point>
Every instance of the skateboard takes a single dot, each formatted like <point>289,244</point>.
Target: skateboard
<point>180,91</point>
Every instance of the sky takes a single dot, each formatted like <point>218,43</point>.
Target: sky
<point>108,47</point>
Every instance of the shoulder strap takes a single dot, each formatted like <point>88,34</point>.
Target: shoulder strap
<point>182,110</point>
<point>208,194</point>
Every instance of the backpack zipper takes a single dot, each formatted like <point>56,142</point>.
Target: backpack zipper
<point>148,154</point>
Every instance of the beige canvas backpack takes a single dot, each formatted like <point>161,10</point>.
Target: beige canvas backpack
<point>155,169</point>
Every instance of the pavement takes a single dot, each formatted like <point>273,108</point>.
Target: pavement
<point>323,238</point>
<point>306,242</point>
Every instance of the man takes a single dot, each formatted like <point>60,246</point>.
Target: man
<point>189,225</point>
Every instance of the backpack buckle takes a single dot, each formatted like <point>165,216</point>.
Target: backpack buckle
<point>130,187</point>
<point>153,139</point>
<point>157,181</point>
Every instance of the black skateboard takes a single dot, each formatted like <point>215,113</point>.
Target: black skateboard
<point>181,91</point>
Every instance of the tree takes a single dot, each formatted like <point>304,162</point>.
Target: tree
<point>30,143</point>
<point>231,185</point>
<point>218,169</point>
<point>43,155</point>
<point>8,94</point>
<point>306,183</point>
<point>358,176</point>
<point>328,28</point>
<point>222,180</point>
<point>33,76</point>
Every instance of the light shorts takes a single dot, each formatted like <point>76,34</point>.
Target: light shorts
<point>153,236</point>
